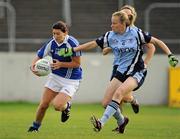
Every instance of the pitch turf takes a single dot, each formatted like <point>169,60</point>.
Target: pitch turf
<point>153,122</point>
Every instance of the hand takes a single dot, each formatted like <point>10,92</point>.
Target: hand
<point>145,66</point>
<point>66,52</point>
<point>106,50</point>
<point>56,64</point>
<point>173,61</point>
<point>33,70</point>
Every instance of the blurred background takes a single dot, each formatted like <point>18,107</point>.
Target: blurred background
<point>26,25</point>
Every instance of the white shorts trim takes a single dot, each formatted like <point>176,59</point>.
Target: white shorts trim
<point>62,85</point>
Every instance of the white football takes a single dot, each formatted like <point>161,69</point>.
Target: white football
<point>42,66</point>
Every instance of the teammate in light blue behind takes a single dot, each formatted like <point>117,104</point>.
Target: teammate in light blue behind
<point>65,78</point>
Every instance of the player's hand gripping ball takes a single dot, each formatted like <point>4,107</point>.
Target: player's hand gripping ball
<point>42,67</point>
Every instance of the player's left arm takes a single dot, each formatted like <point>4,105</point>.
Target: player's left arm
<point>160,44</point>
<point>75,63</point>
<point>149,54</point>
<point>173,61</point>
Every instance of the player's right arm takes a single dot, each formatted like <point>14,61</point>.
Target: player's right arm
<point>101,42</point>
<point>42,52</point>
<point>92,44</point>
<point>86,46</point>
<point>106,50</point>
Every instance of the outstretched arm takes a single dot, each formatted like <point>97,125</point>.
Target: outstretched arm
<point>160,44</point>
<point>173,61</point>
<point>69,51</point>
<point>85,46</point>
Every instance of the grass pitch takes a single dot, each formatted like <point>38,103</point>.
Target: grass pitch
<point>153,122</point>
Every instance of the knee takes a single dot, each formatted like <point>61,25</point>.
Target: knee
<point>127,98</point>
<point>59,106</point>
<point>120,93</point>
<point>104,104</point>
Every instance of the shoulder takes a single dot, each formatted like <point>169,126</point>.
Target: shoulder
<point>72,41</point>
<point>135,30</point>
<point>111,34</point>
<point>48,42</point>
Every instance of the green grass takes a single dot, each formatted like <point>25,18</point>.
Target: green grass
<point>153,122</point>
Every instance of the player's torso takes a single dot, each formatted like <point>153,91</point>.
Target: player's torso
<point>70,73</point>
<point>125,48</point>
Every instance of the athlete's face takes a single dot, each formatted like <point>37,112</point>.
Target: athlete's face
<point>58,35</point>
<point>116,25</point>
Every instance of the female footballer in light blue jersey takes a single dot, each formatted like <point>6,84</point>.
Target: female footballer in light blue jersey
<point>131,72</point>
<point>131,12</point>
<point>66,74</point>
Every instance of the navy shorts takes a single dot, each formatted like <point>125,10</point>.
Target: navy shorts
<point>114,71</point>
<point>138,75</point>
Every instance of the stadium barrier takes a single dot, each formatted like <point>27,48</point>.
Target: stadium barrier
<point>17,83</point>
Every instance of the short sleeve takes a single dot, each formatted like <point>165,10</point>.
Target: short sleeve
<point>102,41</point>
<point>144,37</point>
<point>44,50</point>
<point>74,43</point>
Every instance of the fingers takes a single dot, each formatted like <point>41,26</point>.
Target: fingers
<point>56,64</point>
<point>32,68</point>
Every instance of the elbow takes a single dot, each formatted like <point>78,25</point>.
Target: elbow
<point>153,48</point>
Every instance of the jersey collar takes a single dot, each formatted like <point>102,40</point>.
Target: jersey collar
<point>64,42</point>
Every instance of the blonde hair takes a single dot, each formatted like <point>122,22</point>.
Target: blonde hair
<point>132,18</point>
<point>123,17</point>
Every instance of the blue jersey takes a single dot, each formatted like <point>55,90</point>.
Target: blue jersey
<point>127,48</point>
<point>52,49</point>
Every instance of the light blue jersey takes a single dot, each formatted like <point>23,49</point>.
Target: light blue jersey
<point>127,48</point>
<point>52,49</point>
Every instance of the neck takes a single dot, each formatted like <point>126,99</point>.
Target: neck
<point>61,41</point>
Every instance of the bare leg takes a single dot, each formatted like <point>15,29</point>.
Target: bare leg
<point>47,97</point>
<point>61,103</point>
<point>112,86</point>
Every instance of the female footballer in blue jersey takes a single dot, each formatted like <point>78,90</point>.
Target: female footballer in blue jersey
<point>65,78</point>
<point>131,72</point>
